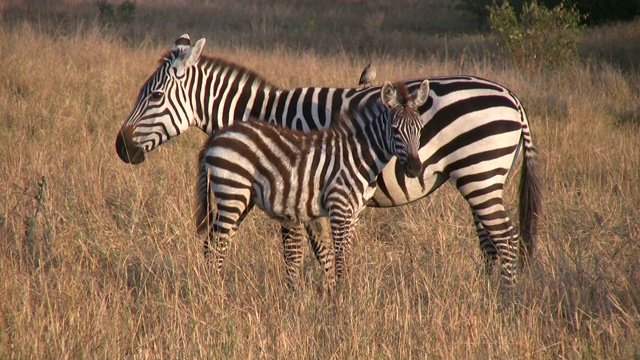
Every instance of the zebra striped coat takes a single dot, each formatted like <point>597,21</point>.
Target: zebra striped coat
<point>296,177</point>
<point>474,132</point>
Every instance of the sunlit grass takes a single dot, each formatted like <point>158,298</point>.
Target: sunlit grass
<point>106,263</point>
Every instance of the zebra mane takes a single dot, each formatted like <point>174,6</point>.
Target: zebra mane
<point>252,76</point>
<point>364,113</point>
<point>358,117</point>
<point>404,92</point>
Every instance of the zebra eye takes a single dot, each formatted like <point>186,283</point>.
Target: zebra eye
<point>156,95</point>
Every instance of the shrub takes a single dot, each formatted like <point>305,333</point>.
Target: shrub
<point>125,12</point>
<point>107,13</point>
<point>538,38</point>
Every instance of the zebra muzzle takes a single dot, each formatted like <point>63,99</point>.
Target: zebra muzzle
<point>128,151</point>
<point>413,167</point>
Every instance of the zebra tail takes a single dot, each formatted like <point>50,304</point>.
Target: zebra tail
<point>530,200</point>
<point>204,214</point>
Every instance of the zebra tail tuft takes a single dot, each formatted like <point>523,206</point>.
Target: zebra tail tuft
<point>530,202</point>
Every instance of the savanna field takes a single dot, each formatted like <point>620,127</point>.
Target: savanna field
<point>101,259</point>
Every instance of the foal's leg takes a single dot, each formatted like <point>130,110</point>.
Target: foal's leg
<point>321,243</point>
<point>341,230</point>
<point>293,255</point>
<point>229,216</point>
<point>319,232</point>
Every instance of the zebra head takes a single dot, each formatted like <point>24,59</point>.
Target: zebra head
<point>163,108</point>
<point>405,123</point>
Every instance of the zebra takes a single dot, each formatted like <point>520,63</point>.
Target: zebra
<point>296,177</point>
<point>475,132</point>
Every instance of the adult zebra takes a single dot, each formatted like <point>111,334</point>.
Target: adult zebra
<point>473,136</point>
<point>296,177</point>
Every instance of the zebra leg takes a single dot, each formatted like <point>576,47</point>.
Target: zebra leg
<point>293,255</point>
<point>489,250</point>
<point>321,241</point>
<point>502,236</point>
<point>341,230</point>
<point>226,223</point>
<point>215,247</point>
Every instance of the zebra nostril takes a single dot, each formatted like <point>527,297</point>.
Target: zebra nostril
<point>413,167</point>
<point>120,147</point>
<point>128,153</point>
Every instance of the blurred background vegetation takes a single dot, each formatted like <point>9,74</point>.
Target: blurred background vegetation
<point>435,28</point>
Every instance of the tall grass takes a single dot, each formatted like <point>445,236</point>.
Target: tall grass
<point>101,259</point>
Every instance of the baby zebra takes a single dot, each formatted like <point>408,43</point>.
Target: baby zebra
<point>296,177</point>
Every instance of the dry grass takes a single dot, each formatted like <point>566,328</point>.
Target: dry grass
<point>106,263</point>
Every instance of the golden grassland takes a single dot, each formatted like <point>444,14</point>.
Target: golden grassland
<point>101,259</point>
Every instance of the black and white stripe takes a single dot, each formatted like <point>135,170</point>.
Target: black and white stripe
<point>475,130</point>
<point>296,177</point>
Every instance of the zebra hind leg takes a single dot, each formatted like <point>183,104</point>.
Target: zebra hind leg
<point>215,248</point>
<point>498,238</point>
<point>488,248</point>
<point>502,237</point>
<point>221,232</point>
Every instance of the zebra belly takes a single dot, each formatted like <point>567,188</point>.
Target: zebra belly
<point>396,189</point>
<point>288,208</point>
<point>491,157</point>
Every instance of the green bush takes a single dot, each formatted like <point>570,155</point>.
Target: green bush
<point>539,38</point>
<point>127,11</point>
<point>124,13</point>
<point>107,13</point>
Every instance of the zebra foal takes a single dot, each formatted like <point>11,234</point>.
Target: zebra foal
<point>297,177</point>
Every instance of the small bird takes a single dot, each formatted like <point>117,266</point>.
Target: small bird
<point>368,75</point>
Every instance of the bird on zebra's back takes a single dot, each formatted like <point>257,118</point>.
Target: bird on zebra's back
<point>296,177</point>
<point>475,131</point>
<point>367,76</point>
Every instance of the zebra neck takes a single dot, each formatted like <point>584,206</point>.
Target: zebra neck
<point>367,142</point>
<point>225,92</point>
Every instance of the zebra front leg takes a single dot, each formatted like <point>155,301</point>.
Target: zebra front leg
<point>341,230</point>
<point>293,255</point>
<point>319,232</point>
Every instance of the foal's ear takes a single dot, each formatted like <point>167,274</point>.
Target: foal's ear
<point>421,95</point>
<point>390,95</point>
<point>186,56</point>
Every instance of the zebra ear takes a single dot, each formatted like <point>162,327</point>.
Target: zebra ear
<point>196,51</point>
<point>186,56</point>
<point>389,95</point>
<point>183,40</point>
<point>421,95</point>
